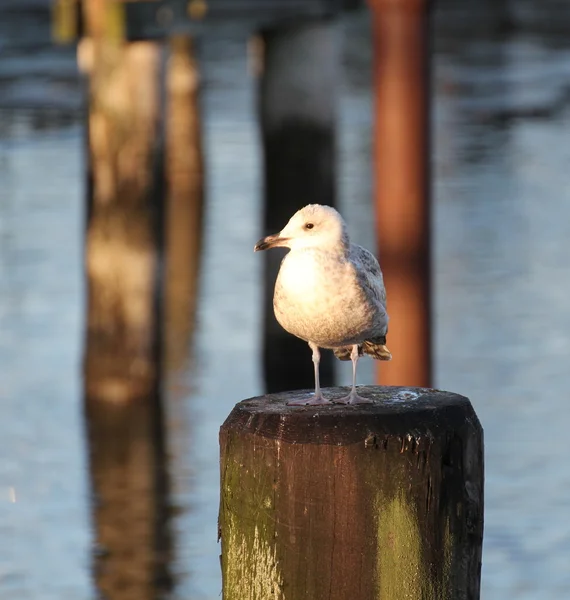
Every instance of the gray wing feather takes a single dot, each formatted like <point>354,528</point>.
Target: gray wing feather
<point>370,279</point>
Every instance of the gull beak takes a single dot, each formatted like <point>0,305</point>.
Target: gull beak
<point>271,241</point>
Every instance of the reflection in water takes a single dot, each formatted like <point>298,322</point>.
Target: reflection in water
<point>130,512</point>
<point>124,194</point>
<point>183,218</point>
<point>123,407</point>
<point>127,436</point>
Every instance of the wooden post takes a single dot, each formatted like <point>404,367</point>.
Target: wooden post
<point>183,222</point>
<point>122,358</point>
<point>297,108</point>
<point>401,169</point>
<point>123,215</point>
<point>378,502</point>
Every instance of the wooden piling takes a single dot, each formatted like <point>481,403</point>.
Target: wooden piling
<point>402,183</point>
<point>379,501</point>
<point>184,206</point>
<point>123,213</point>
<point>124,415</point>
<point>297,102</point>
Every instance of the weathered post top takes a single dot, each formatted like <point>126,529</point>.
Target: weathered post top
<point>380,501</point>
<point>418,412</point>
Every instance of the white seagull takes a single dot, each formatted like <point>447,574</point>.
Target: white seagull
<point>329,292</point>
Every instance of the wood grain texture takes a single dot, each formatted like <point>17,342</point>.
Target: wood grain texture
<point>381,501</point>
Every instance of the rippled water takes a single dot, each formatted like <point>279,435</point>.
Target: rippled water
<point>502,282</point>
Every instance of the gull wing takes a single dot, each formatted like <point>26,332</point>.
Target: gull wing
<point>369,274</point>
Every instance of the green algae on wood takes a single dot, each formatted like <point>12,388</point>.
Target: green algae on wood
<point>380,501</point>
<point>249,564</point>
<point>403,571</point>
<point>400,565</point>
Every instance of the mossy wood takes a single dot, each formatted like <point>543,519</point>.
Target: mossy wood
<point>379,501</point>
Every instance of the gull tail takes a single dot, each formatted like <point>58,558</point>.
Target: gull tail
<point>376,348</point>
<point>379,351</point>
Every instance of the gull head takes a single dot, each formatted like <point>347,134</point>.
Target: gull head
<point>314,226</point>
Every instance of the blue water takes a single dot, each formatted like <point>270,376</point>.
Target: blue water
<point>502,282</point>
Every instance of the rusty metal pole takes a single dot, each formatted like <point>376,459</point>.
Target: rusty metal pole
<point>402,183</point>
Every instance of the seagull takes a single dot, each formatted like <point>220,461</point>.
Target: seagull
<point>329,292</point>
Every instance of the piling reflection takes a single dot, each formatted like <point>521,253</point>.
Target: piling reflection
<point>123,407</point>
<point>130,499</point>
<point>122,231</point>
<point>126,409</point>
<point>183,218</point>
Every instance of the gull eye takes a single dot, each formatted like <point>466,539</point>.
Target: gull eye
<point>309,225</point>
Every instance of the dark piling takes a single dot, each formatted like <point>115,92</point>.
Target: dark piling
<point>381,501</point>
<point>297,101</point>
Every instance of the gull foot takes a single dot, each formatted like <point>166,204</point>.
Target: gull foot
<point>352,398</point>
<point>313,401</point>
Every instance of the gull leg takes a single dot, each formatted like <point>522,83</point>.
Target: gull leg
<point>353,397</point>
<point>318,397</point>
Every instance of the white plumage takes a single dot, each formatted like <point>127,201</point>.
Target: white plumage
<point>329,292</point>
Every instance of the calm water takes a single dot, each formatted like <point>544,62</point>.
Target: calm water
<point>502,238</point>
